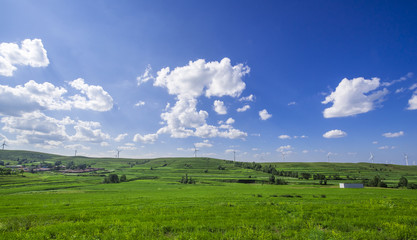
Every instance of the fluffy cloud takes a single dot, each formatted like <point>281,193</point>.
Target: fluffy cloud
<point>31,53</point>
<point>336,133</point>
<point>95,97</point>
<point>31,97</point>
<point>412,103</point>
<point>120,137</point>
<point>36,128</point>
<point>285,150</point>
<point>35,96</point>
<point>198,77</point>
<point>189,82</point>
<point>219,107</point>
<point>205,143</point>
<point>264,115</point>
<point>248,98</point>
<point>291,103</point>
<point>243,109</point>
<point>284,137</point>
<point>41,130</point>
<point>148,138</point>
<point>127,146</point>
<point>353,97</point>
<point>393,135</point>
<point>88,131</point>
<point>230,121</point>
<point>146,76</point>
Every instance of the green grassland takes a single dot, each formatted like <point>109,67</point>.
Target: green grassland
<point>153,204</point>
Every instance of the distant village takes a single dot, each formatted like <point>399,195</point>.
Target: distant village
<point>25,165</point>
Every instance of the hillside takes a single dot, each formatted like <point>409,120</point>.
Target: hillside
<point>210,169</point>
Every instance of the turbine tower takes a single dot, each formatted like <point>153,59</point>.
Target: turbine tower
<point>195,151</point>
<point>371,157</point>
<point>118,152</point>
<point>3,145</point>
<point>75,153</point>
<point>406,159</point>
<point>283,155</point>
<point>328,156</point>
<point>234,155</point>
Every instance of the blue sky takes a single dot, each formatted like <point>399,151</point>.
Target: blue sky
<point>270,80</point>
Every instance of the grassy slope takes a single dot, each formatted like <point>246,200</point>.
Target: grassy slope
<point>53,205</point>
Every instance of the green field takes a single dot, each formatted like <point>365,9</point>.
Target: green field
<point>153,204</point>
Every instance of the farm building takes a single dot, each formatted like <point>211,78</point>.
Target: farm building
<point>350,185</point>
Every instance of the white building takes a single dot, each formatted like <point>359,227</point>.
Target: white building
<point>350,185</point>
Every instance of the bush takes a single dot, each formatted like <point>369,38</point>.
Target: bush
<point>280,181</point>
<point>112,178</point>
<point>403,182</point>
<point>412,186</point>
<point>376,182</point>
<point>306,176</point>
<point>187,180</point>
<point>123,178</point>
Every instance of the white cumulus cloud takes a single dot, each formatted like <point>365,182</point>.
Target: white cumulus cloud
<point>336,133</point>
<point>230,121</point>
<point>120,137</point>
<point>219,107</point>
<point>284,136</point>
<point>264,115</point>
<point>148,138</point>
<point>93,98</point>
<point>205,143</point>
<point>188,83</point>
<point>30,53</point>
<point>353,97</point>
<point>33,96</point>
<point>393,135</point>
<point>243,109</point>
<point>248,98</point>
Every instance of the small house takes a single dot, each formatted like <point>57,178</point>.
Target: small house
<point>350,185</point>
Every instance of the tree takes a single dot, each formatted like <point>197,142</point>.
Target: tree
<point>306,176</point>
<point>123,178</point>
<point>403,182</point>
<point>112,178</point>
<point>272,179</point>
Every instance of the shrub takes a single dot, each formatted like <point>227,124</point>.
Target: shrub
<point>112,178</point>
<point>123,178</point>
<point>306,176</point>
<point>280,181</point>
<point>403,182</point>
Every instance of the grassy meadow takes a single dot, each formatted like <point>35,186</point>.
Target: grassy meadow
<point>153,204</point>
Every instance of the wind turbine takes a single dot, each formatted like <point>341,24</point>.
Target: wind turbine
<point>195,151</point>
<point>371,158</point>
<point>283,155</point>
<point>118,152</point>
<point>406,159</point>
<point>75,154</point>
<point>328,156</point>
<point>4,144</point>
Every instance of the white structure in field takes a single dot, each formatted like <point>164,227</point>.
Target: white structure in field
<point>350,185</point>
